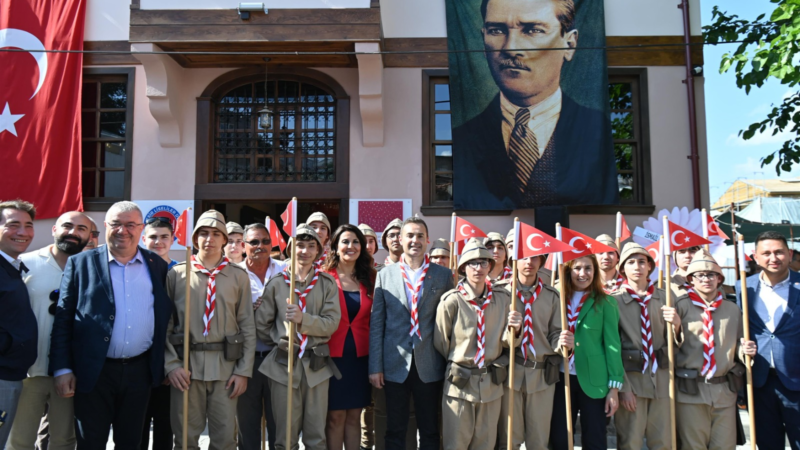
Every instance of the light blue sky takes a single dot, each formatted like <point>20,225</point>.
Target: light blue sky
<point>729,109</point>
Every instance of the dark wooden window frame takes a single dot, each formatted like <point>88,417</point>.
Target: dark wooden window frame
<point>638,76</point>
<point>104,203</point>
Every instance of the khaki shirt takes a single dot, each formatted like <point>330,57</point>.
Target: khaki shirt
<point>678,283</point>
<point>320,320</point>
<point>546,312</point>
<point>727,349</point>
<point>645,385</point>
<point>611,285</point>
<point>233,314</point>
<point>546,275</point>
<point>456,338</point>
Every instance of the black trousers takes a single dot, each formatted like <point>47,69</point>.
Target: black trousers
<point>158,413</point>
<point>427,401</point>
<point>593,417</point>
<point>119,399</point>
<point>777,415</point>
<point>251,406</point>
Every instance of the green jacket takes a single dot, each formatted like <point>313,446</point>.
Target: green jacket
<point>598,357</point>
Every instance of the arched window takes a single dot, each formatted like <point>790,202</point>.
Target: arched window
<point>300,147</point>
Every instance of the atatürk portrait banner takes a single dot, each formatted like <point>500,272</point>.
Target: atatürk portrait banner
<point>530,112</point>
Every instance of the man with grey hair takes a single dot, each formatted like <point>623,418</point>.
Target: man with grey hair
<point>95,236</point>
<point>108,341</point>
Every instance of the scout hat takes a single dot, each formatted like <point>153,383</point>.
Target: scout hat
<point>472,251</point>
<point>703,262</point>
<point>609,241</point>
<point>320,217</point>
<point>396,223</point>
<point>632,248</point>
<point>509,237</point>
<point>213,219</point>
<point>495,237</point>
<point>234,228</point>
<point>440,247</point>
<point>304,229</point>
<point>367,230</point>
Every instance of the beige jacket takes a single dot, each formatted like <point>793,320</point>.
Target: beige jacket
<point>546,312</point>
<point>727,349</point>
<point>456,338</point>
<point>233,314</point>
<point>320,320</point>
<point>678,284</point>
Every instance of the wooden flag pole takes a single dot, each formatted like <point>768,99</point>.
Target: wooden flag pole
<point>747,359</point>
<point>263,429</point>
<point>618,230</point>
<point>512,352</point>
<point>291,332</point>
<point>670,337</point>
<point>661,263</point>
<point>186,337</point>
<point>453,245</point>
<point>565,327</point>
<point>704,221</point>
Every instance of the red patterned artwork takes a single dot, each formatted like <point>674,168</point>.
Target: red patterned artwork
<point>378,214</point>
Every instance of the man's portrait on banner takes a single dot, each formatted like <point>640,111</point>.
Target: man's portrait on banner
<point>534,143</point>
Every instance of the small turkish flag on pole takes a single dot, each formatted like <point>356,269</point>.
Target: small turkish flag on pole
<point>275,234</point>
<point>656,252</point>
<point>289,218</point>
<point>532,242</point>
<point>183,230</point>
<point>622,230</point>
<point>713,228</point>
<point>679,238</point>
<point>464,231</point>
<point>589,246</point>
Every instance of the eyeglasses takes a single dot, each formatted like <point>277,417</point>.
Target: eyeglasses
<point>95,234</point>
<point>54,299</point>
<point>705,275</point>
<point>256,242</point>
<point>153,220</point>
<point>130,226</point>
<point>392,235</point>
<point>480,263</point>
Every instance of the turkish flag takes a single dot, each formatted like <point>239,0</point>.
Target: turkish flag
<point>289,218</point>
<point>588,246</point>
<point>714,229</point>
<point>40,104</point>
<point>623,232</point>
<point>655,251</point>
<point>275,235</point>
<point>529,242</point>
<point>680,238</point>
<point>551,263</point>
<point>464,231</point>
<point>183,230</point>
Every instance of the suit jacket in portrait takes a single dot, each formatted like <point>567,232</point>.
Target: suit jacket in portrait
<point>578,166</point>
<point>84,318</point>
<point>390,345</point>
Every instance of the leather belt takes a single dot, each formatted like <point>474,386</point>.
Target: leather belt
<point>207,347</point>
<point>130,360</point>
<point>530,364</point>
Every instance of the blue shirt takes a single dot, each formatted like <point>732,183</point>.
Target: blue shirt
<point>172,264</point>
<point>134,320</point>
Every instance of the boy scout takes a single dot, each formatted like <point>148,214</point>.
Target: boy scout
<point>315,311</point>
<point>708,372</point>
<point>440,253</point>
<point>222,334</point>
<point>471,323</point>
<point>390,239</point>
<point>643,321</point>
<point>319,222</point>
<point>234,247</point>
<point>495,243</point>
<point>683,258</point>
<point>543,273</point>
<point>608,261</point>
<point>536,362</point>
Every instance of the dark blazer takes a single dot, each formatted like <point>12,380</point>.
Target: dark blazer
<point>783,343</point>
<point>390,345</point>
<point>85,317</point>
<point>585,167</point>
<point>19,332</point>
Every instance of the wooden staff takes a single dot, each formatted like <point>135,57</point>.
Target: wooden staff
<point>186,337</point>
<point>291,334</point>
<point>453,244</point>
<point>565,327</point>
<point>512,351</point>
<point>747,359</point>
<point>618,230</point>
<point>670,335</point>
<point>263,429</point>
<point>704,221</point>
<point>661,263</point>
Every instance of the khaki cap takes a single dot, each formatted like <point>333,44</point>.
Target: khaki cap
<point>367,230</point>
<point>440,247</point>
<point>495,237</point>
<point>320,217</point>
<point>475,250</point>
<point>304,229</point>
<point>510,236</point>
<point>632,248</point>
<point>234,228</point>
<point>212,219</point>
<point>703,262</point>
<point>396,223</point>
<point>609,241</point>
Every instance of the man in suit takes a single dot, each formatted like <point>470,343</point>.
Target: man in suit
<point>107,345</point>
<point>18,327</point>
<point>533,145</point>
<point>775,325</point>
<point>402,359</point>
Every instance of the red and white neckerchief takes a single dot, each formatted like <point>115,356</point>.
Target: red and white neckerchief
<point>527,331</point>
<point>506,273</point>
<point>211,290</point>
<point>322,259</point>
<point>617,284</point>
<point>415,293</point>
<point>388,261</point>
<point>647,329</point>
<point>301,302</point>
<point>710,366</point>
<point>573,311</point>
<point>480,309</point>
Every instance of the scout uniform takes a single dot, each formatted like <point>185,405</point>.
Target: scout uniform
<point>230,332</point>
<point>497,237</point>
<point>473,385</point>
<point>646,366</point>
<point>310,378</point>
<point>536,357</point>
<point>321,217</point>
<point>440,247</point>
<point>545,274</point>
<point>708,377</point>
<point>396,223</point>
<point>234,228</point>
<point>678,283</point>
<point>615,283</point>
<point>369,232</point>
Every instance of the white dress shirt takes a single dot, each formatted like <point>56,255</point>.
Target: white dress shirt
<point>257,288</point>
<point>43,277</point>
<point>14,262</point>
<point>544,117</point>
<point>413,277</point>
<point>771,303</point>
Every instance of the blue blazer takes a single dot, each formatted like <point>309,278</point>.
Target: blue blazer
<point>784,343</point>
<point>85,317</point>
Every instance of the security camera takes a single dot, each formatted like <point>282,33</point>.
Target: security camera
<point>246,8</point>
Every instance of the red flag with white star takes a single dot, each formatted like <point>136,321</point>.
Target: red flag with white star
<point>532,242</point>
<point>289,218</point>
<point>680,238</point>
<point>714,229</point>
<point>275,235</point>
<point>40,103</point>
<point>464,231</point>
<point>583,245</point>
<point>655,252</point>
<point>183,229</point>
